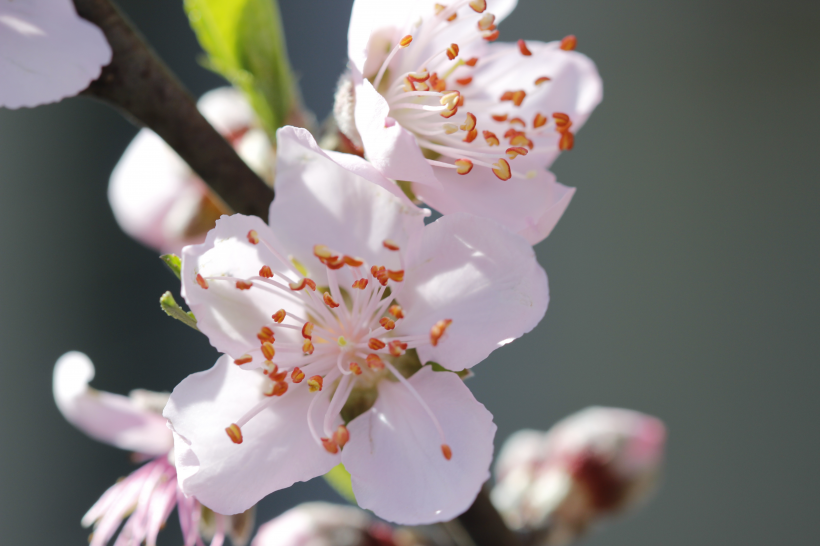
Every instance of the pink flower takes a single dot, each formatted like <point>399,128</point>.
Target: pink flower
<point>595,462</point>
<point>303,303</point>
<point>472,124</point>
<point>145,498</point>
<point>49,52</point>
<point>158,200</point>
<point>323,524</point>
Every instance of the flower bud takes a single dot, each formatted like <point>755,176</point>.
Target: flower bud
<point>323,524</point>
<point>593,463</point>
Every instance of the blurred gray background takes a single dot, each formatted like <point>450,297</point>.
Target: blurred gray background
<point>684,276</point>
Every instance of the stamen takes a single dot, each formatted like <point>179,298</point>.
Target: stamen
<point>490,138</point>
<point>469,123</point>
<point>542,79</point>
<point>374,362</point>
<point>329,301</point>
<point>307,330</point>
<point>266,272</point>
<point>386,323</point>
<point>302,284</point>
<point>471,136</point>
<point>452,51</point>
<point>201,281</point>
<point>567,141</point>
<point>404,42</point>
<point>268,351</point>
<point>265,334</point>
<point>396,311</point>
<point>522,46</point>
<point>297,375</point>
<point>450,128</point>
<point>355,368</point>
<point>439,328</point>
<point>465,81</point>
<point>515,151</point>
<point>353,262</point>
<point>243,285</point>
<point>502,170</point>
<point>330,446</point>
<point>276,389</point>
<point>375,344</point>
<point>397,276</point>
<point>279,316</point>
<point>253,237</point>
<point>315,383</point>
<point>446,451</point>
<point>463,166</point>
<point>397,348</point>
<point>390,245</point>
<point>307,347</point>
<point>244,359</point>
<point>361,284</point>
<point>471,61</point>
<point>499,117</point>
<point>234,433</point>
<point>487,22</point>
<point>518,121</point>
<point>491,36</point>
<point>517,97</point>
<point>539,121</point>
<point>569,43</point>
<point>478,5</point>
<point>341,436</point>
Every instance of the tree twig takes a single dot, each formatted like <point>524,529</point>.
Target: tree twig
<point>484,524</point>
<point>138,83</point>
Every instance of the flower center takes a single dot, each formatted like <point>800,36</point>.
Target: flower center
<point>421,92</point>
<point>345,336</point>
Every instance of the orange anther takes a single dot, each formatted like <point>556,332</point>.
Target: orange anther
<point>520,139</point>
<point>449,98</point>
<point>515,151</point>
<point>279,316</point>
<point>539,121</point>
<point>244,285</point>
<point>478,5</point>
<point>452,51</point>
<point>265,334</point>
<point>297,375</point>
<point>322,252</point>
<point>567,141</point>
<point>307,330</point>
<point>463,166</point>
<point>517,97</point>
<point>469,123</point>
<point>446,451</point>
<point>329,301</point>
<point>244,359</point>
<point>361,284</point>
<point>522,46</point>
<point>542,79</point>
<point>268,351</point>
<point>390,245</point>
<point>471,61</point>
<point>500,117</point>
<point>375,344</point>
<point>487,22</point>
<point>315,383</point>
<point>253,237</point>
<point>518,121</point>
<point>502,170</point>
<point>569,43</point>
<point>330,446</point>
<point>277,389</point>
<point>417,77</point>
<point>335,262</point>
<point>278,377</point>
<point>310,283</point>
<point>353,262</point>
<point>266,272</point>
<point>437,84</point>
<point>296,286</point>
<point>450,128</point>
<point>341,436</point>
<point>396,276</point>
<point>404,42</point>
<point>491,36</point>
<point>270,368</point>
<point>307,347</point>
<point>490,138</point>
<point>447,114</point>
<point>374,362</point>
<point>396,311</point>
<point>469,137</point>
<point>387,323</point>
<point>397,348</point>
<point>201,281</point>
<point>465,81</point>
<point>439,328</point>
<point>234,433</point>
<point>355,368</point>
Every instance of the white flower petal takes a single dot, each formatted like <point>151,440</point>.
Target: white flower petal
<point>481,276</point>
<point>109,418</point>
<point>394,455</point>
<point>49,52</point>
<point>277,449</point>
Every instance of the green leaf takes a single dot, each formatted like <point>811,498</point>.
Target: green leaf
<point>339,479</point>
<point>245,43</point>
<point>173,262</point>
<point>172,309</point>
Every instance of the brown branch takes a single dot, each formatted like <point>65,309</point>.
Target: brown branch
<point>484,524</point>
<point>138,83</point>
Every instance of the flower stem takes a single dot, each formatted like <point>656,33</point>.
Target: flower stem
<point>139,84</point>
<point>484,524</point>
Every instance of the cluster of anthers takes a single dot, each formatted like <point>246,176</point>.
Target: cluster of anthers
<point>424,92</point>
<point>342,343</point>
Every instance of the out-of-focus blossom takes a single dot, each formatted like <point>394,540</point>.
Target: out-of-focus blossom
<point>323,524</point>
<point>473,124</point>
<point>49,52</point>
<point>596,462</point>
<point>158,200</point>
<point>302,309</point>
<point>146,497</point>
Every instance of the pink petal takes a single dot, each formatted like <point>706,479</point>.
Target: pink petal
<point>277,449</point>
<point>481,276</point>
<point>392,150</point>
<point>395,458</point>
<point>49,52</point>
<point>109,418</point>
